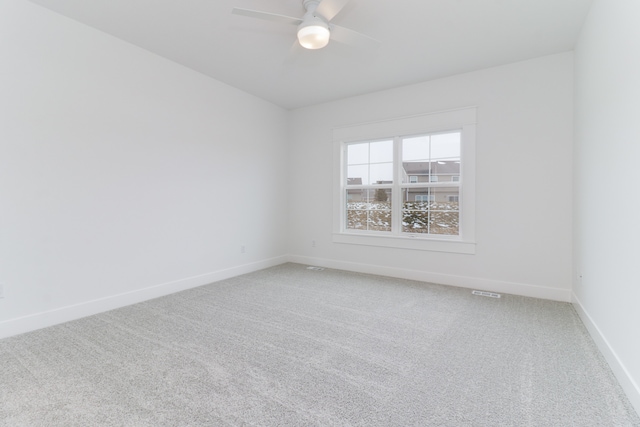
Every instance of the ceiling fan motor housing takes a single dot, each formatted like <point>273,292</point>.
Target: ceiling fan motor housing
<point>310,5</point>
<point>313,32</point>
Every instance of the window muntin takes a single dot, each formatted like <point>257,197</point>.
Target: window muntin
<point>422,205</point>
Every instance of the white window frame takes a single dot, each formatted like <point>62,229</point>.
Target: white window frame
<point>464,120</point>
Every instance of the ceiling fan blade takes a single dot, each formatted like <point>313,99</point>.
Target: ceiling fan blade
<point>266,16</point>
<point>330,8</point>
<point>352,38</point>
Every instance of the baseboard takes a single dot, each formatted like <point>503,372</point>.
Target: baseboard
<point>542,292</point>
<point>627,383</point>
<point>45,319</point>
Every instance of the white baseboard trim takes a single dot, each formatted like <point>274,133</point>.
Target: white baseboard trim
<point>621,373</point>
<point>542,292</point>
<point>56,316</point>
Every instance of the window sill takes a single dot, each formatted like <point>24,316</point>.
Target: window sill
<point>420,244</point>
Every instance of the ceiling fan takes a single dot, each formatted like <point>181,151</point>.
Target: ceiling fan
<point>315,27</point>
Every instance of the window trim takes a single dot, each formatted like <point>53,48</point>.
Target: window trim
<point>463,119</point>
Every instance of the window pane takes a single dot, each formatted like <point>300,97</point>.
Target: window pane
<point>356,220</point>
<point>415,159</point>
<point>357,209</point>
<point>381,151</point>
<point>417,195</point>
<point>446,198</point>
<point>369,209</point>
<point>380,214</point>
<point>431,210</point>
<point>444,170</point>
<point>381,173</point>
<point>445,146</point>
<point>419,170</point>
<point>358,175</point>
<point>444,215</point>
<point>380,220</point>
<point>444,223</point>
<point>381,198</point>
<point>358,154</point>
<point>415,221</point>
<point>415,210</point>
<point>416,148</point>
<point>356,199</point>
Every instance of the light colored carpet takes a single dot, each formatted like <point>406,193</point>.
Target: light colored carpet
<point>289,346</point>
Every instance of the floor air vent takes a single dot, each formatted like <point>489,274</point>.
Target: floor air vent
<point>486,294</point>
<point>311,267</point>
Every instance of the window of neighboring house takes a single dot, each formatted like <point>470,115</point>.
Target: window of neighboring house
<point>381,202</point>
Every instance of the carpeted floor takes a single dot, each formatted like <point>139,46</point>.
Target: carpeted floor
<point>288,346</point>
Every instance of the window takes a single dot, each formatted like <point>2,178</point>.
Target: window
<point>405,190</point>
<point>390,200</point>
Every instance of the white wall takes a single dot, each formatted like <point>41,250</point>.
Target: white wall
<point>124,176</point>
<point>607,200</point>
<point>524,174</point>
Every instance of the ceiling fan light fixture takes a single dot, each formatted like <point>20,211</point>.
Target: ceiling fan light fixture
<point>313,36</point>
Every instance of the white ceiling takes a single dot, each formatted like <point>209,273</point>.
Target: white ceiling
<point>420,40</point>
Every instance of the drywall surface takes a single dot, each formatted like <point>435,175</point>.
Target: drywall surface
<point>607,201</point>
<point>122,172</point>
<point>523,179</point>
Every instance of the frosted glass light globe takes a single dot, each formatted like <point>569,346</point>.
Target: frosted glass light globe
<point>313,36</point>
